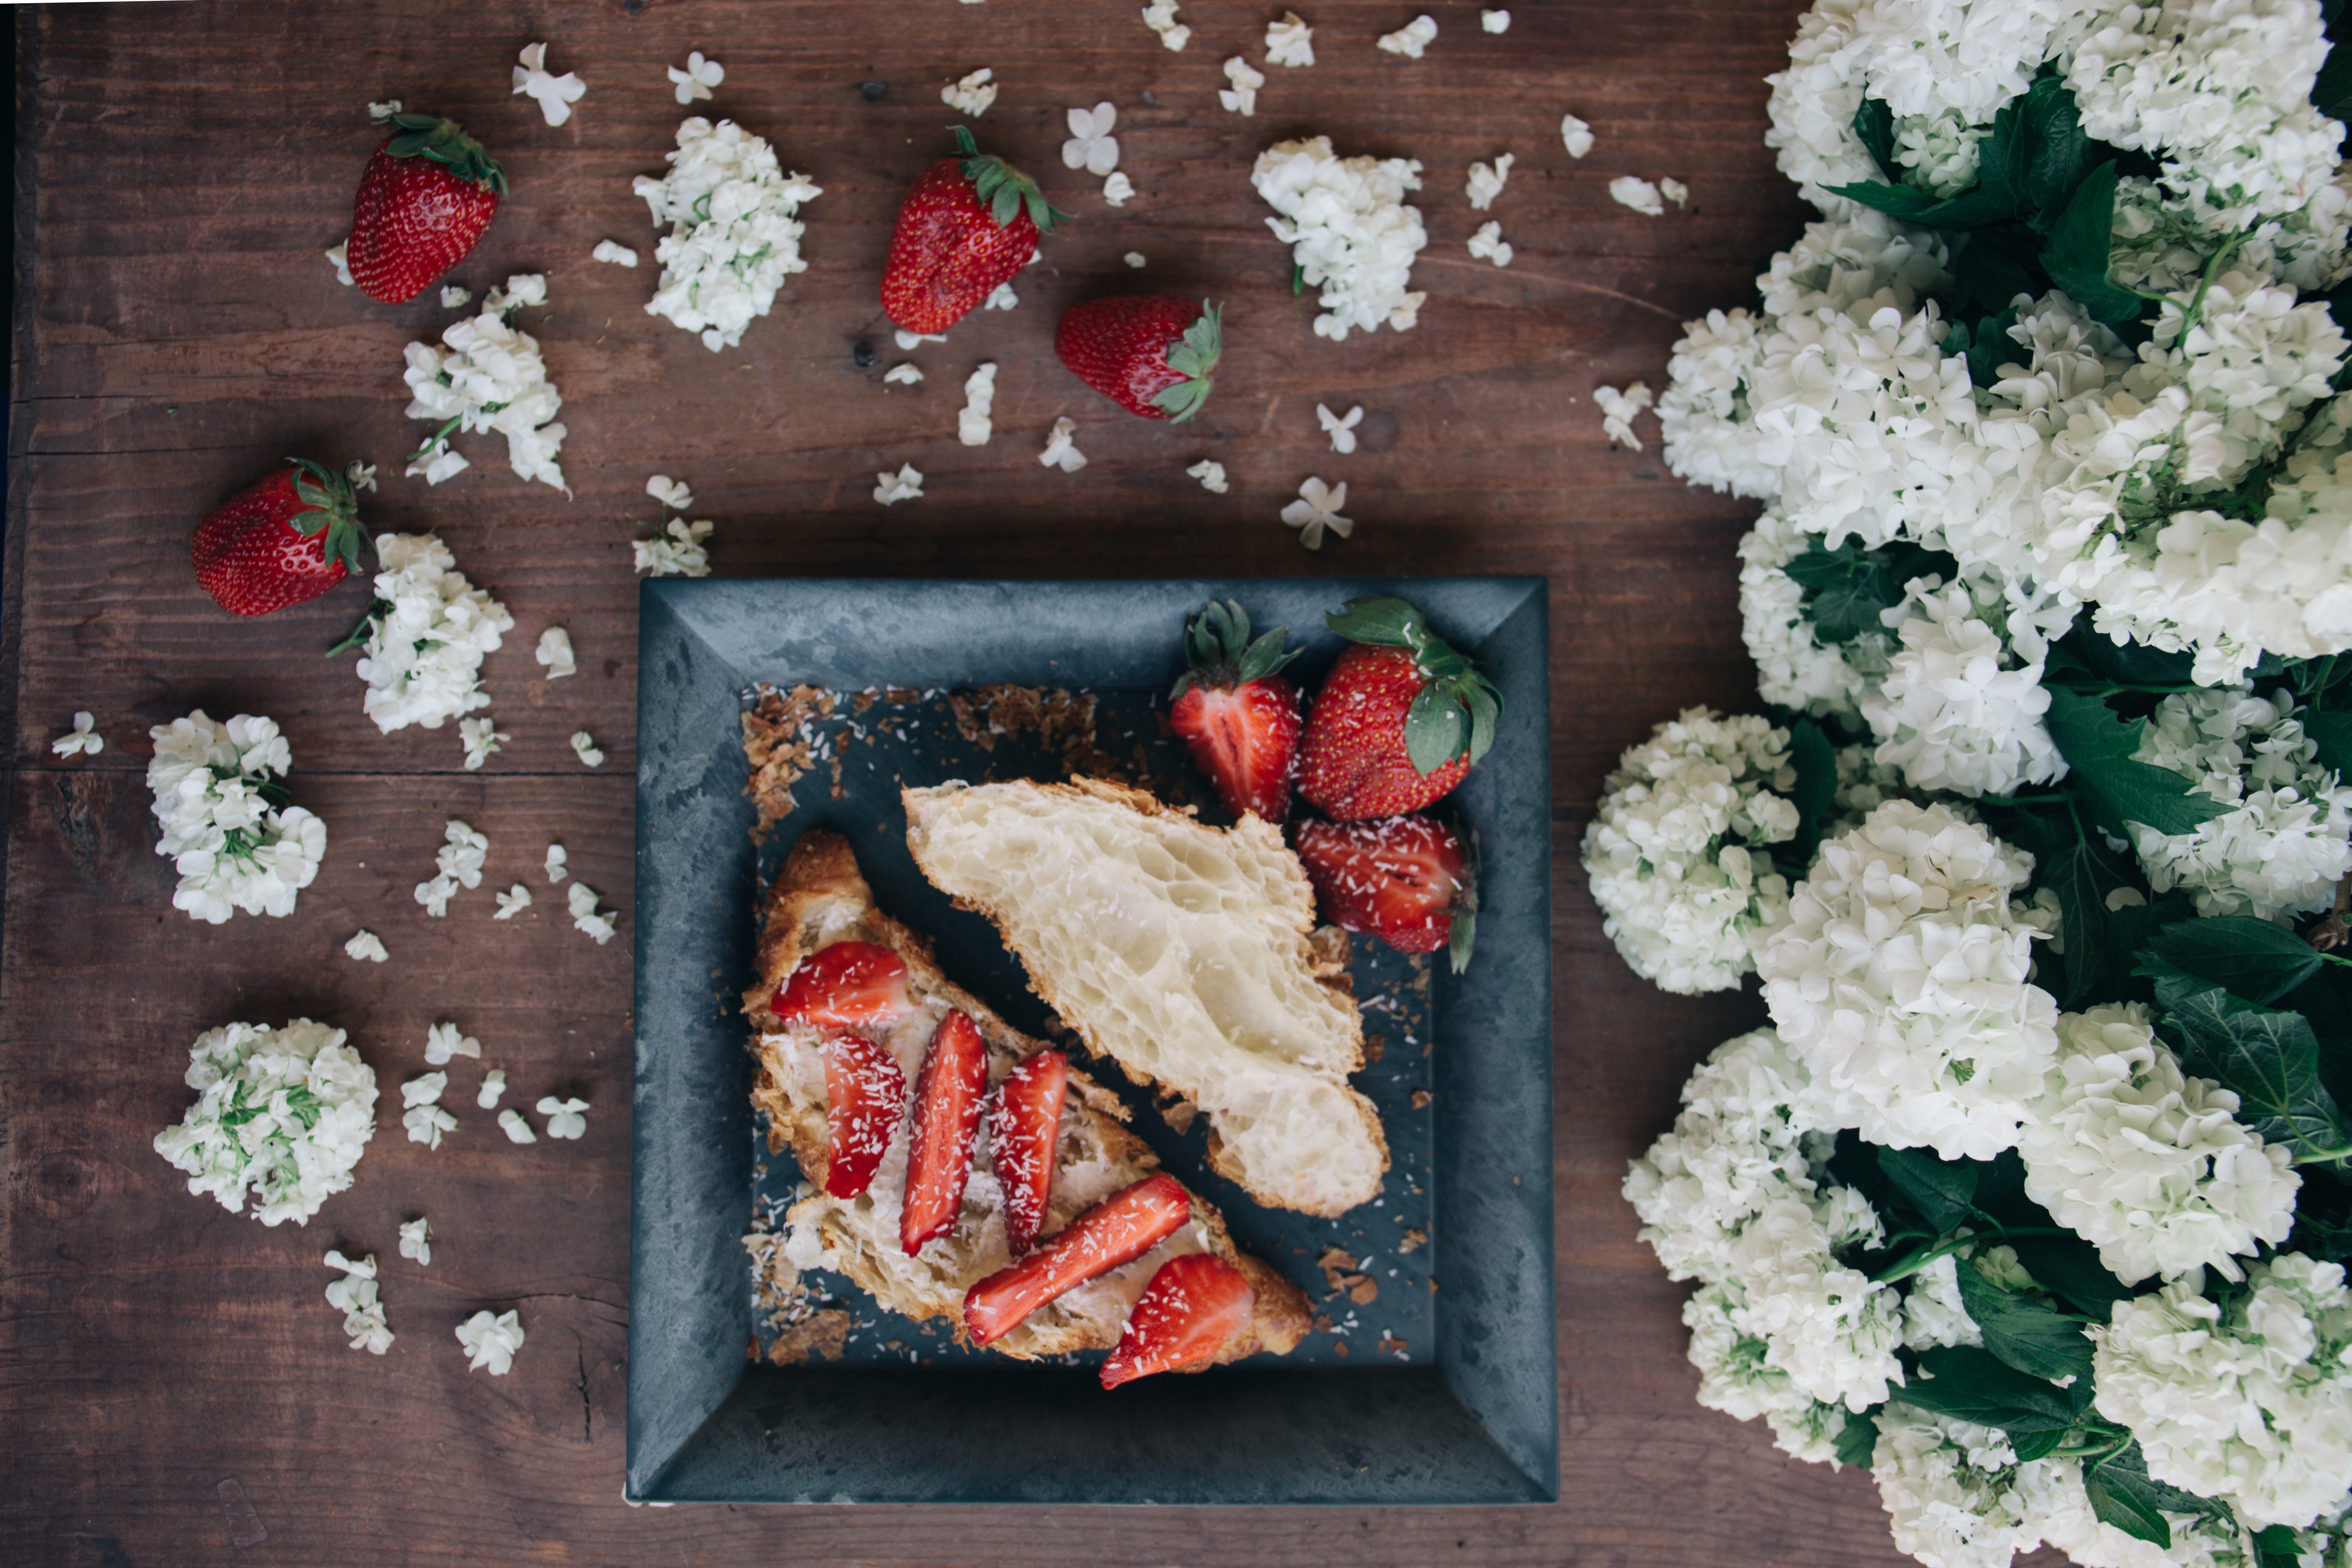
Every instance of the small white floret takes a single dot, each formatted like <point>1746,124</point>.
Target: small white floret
<point>583,899</point>
<point>515,1124</point>
<point>694,81</point>
<point>1341,431</point>
<point>555,652</point>
<point>1001,298</point>
<point>585,749</point>
<point>907,484</point>
<point>1091,146</point>
<point>426,1123</point>
<point>1487,181</point>
<point>455,296</point>
<point>675,494</point>
<point>445,1040</point>
<point>1135,259</point>
<point>1117,188</point>
<point>362,474</point>
<point>354,1296</point>
<point>340,256</point>
<point>901,375</point>
<point>288,1166</point>
<point>556,94</point>
<point>1411,39</point>
<point>1160,18</point>
<point>1490,244</point>
<point>971,95</point>
<point>1315,509</point>
<point>366,947</point>
<point>380,112</point>
<point>1495,21</point>
<point>1289,42</point>
<point>564,1118</point>
<point>423,1089</point>
<point>1633,191</point>
<point>416,1241</point>
<point>83,738</point>
<point>1212,476</point>
<point>677,552</point>
<point>494,1084</point>
<point>910,342</point>
<point>1242,97</point>
<point>1618,410</point>
<point>490,1342</point>
<point>616,254</point>
<point>512,902</point>
<point>733,213</point>
<point>480,738</point>
<point>558,858</point>
<point>1675,191</point>
<point>974,426</point>
<point>1576,134</point>
<point>1061,452</point>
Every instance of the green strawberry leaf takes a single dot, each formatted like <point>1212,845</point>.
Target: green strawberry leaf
<point>1436,730</point>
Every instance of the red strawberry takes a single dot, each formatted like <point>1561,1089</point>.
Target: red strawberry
<point>1191,1309</point>
<point>289,538</point>
<point>1153,355</point>
<point>1023,1134</point>
<point>865,1090</point>
<point>1239,718</point>
<point>1404,879</point>
<point>1120,1230</point>
<point>949,1094</point>
<point>846,986</point>
<point>970,223</point>
<point>425,198</point>
<point>1399,720</point>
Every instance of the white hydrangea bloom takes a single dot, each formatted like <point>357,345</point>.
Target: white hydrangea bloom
<point>1289,42</point>
<point>2252,1403</point>
<point>215,786</point>
<point>583,900</point>
<point>426,635</point>
<point>1899,975</point>
<point>973,426</point>
<point>490,1340</point>
<point>681,550</point>
<point>487,374</point>
<point>1061,449</point>
<point>563,1117</point>
<point>2148,1162</point>
<point>354,1297</point>
<point>1633,191</point>
<point>1954,1493</point>
<point>971,94</point>
<point>1934,1314</point>
<point>2063,1515</point>
<point>1737,1144</point>
<point>554,651</point>
<point>1488,245</point>
<point>1411,39</point>
<point>1834,1330</point>
<point>1793,666</point>
<point>2287,839</point>
<point>1957,708</point>
<point>445,1040</point>
<point>1486,181</point>
<point>1736,1378</point>
<point>735,232</point>
<point>1675,853</point>
<point>480,737</point>
<point>1352,232</point>
<point>1619,409</point>
<point>281,1114</point>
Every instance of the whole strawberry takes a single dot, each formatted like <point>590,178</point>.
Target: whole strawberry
<point>1238,716</point>
<point>425,198</point>
<point>1153,355</point>
<point>1399,720</point>
<point>1406,879</point>
<point>289,538</point>
<point>971,224</point>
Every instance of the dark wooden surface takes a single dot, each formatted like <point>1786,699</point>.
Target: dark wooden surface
<point>179,170</point>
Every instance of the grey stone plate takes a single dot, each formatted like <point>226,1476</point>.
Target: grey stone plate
<point>1431,1379</point>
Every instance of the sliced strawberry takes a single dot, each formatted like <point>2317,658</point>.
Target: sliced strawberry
<point>1120,1230</point>
<point>864,1092</point>
<point>1193,1309</point>
<point>1023,1134</point>
<point>1405,880</point>
<point>848,986</point>
<point>1238,715</point>
<point>949,1094</point>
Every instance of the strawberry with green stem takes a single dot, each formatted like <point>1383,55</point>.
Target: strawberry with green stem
<point>289,538</point>
<point>424,200</point>
<point>1400,719</point>
<point>1236,711</point>
<point>1153,355</point>
<point>969,224</point>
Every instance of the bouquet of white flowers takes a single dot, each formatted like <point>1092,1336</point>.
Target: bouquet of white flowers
<point>2036,1198</point>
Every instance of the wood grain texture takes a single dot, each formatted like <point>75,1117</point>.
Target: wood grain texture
<point>181,167</point>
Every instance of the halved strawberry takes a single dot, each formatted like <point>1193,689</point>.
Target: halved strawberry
<point>1193,1307</point>
<point>864,1092</point>
<point>949,1093</point>
<point>1238,715</point>
<point>1120,1230</point>
<point>846,986</point>
<point>1406,879</point>
<point>1023,1134</point>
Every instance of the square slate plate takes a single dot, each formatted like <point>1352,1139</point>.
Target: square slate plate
<point>1468,1414</point>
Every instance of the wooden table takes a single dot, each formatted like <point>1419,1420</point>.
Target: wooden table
<point>179,168</point>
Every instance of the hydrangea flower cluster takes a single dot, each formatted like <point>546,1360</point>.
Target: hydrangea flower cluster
<point>1678,853</point>
<point>2286,842</point>
<point>487,374</point>
<point>1351,231</point>
<point>1901,974</point>
<point>1960,705</point>
<point>281,1115</point>
<point>735,232</point>
<point>427,631</point>
<point>225,824</point>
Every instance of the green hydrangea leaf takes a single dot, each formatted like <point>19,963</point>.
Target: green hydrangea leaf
<point>2023,1332</point>
<point>2098,747</point>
